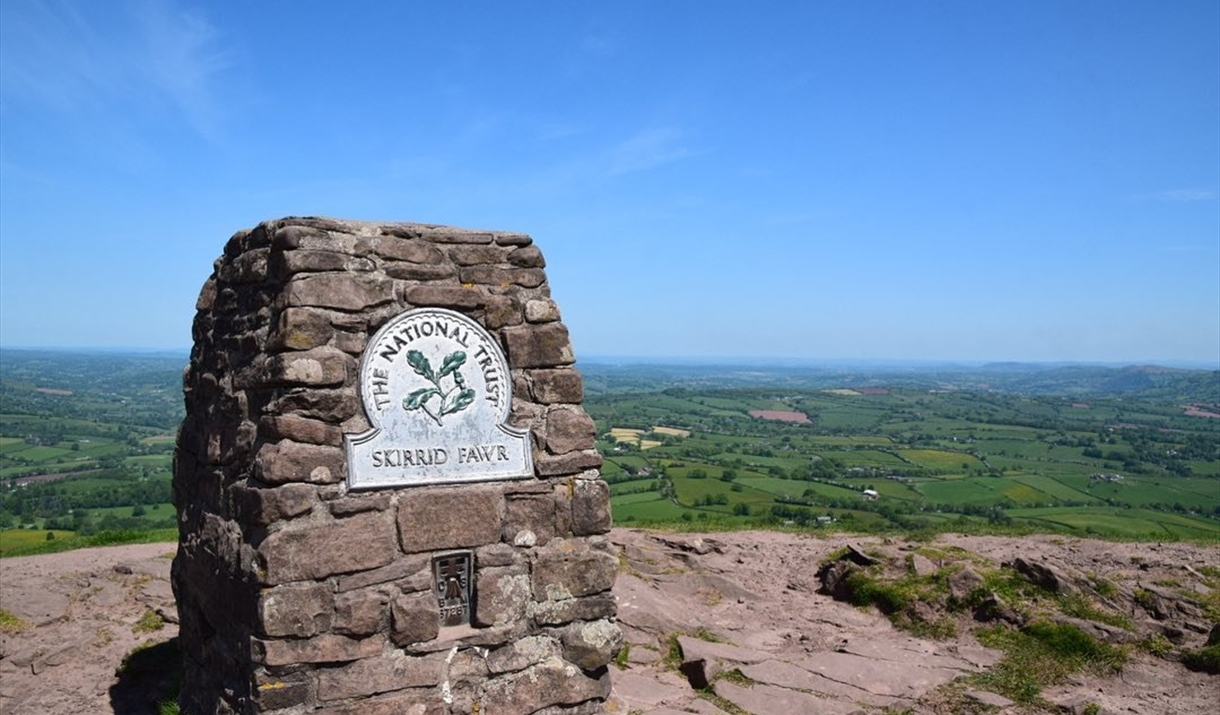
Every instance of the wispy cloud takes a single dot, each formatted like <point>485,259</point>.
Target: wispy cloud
<point>1191,194</point>
<point>89,59</point>
<point>185,60</point>
<point>649,149</point>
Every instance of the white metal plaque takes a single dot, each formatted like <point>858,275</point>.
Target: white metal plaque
<point>437,392</point>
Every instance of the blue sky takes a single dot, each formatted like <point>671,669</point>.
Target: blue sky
<point>851,180</point>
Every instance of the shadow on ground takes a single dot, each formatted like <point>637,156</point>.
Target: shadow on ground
<point>148,679</point>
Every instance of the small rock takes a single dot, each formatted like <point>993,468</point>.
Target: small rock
<point>983,697</point>
<point>856,555</point>
<point>962,582</point>
<point>1046,576</point>
<point>921,565</point>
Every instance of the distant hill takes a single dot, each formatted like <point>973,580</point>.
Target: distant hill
<point>1144,381</point>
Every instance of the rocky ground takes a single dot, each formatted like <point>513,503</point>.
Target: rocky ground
<point>725,623</point>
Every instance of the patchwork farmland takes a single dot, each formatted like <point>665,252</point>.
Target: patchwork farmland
<point>910,458</point>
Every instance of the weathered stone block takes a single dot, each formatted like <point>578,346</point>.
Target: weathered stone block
<point>414,618</point>
<point>266,506</point>
<point>590,507</point>
<point>326,648</point>
<point>359,543</point>
<point>446,296</point>
<point>319,367</point>
<point>281,691</point>
<point>498,555</point>
<point>286,461</point>
<point>554,465</point>
<point>448,234</point>
<point>249,267</point>
<point>591,645</point>
<point>412,702</point>
<point>521,654</point>
<point>569,429</point>
<point>382,674</point>
<point>400,568</point>
<point>544,345</point>
<point>589,608</point>
<point>296,236</point>
<point>356,504</point>
<point>541,310</point>
<point>298,610</point>
<point>513,239</point>
<point>301,429</point>
<point>301,329</point>
<point>551,682</point>
<point>533,514</point>
<point>502,277</point>
<point>419,272</point>
<point>449,518</point>
<point>303,261</point>
<point>501,311</point>
<point>556,386</point>
<point>359,613</point>
<point>503,595</point>
<point>341,291</point>
<point>527,257</point>
<point>571,569</point>
<point>477,255</point>
<point>410,250</point>
<point>334,406</point>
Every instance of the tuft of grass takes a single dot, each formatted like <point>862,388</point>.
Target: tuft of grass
<point>1081,606</point>
<point>888,596</point>
<point>1042,654</point>
<point>942,629</point>
<point>736,677</point>
<point>620,658</point>
<point>149,622</point>
<point>704,634</point>
<point>1157,645</point>
<point>10,623</point>
<point>1104,587</point>
<point>1206,660</point>
<point>673,654</point>
<point>724,704</point>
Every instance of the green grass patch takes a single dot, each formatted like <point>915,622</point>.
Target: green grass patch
<point>940,460</point>
<point>149,622</point>
<point>10,623</point>
<point>1043,654</point>
<point>70,541</point>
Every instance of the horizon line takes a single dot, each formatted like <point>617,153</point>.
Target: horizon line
<point>736,360</point>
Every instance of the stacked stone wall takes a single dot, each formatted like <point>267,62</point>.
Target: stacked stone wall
<point>297,596</point>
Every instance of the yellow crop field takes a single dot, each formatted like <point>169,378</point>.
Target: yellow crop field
<point>672,431</point>
<point>938,459</point>
<point>622,434</point>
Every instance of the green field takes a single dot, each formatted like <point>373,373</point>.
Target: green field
<point>990,449</point>
<point>957,459</point>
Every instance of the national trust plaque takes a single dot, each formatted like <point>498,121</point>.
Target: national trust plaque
<point>437,392</point>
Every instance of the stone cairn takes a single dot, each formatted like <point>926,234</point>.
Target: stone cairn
<point>300,594</point>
